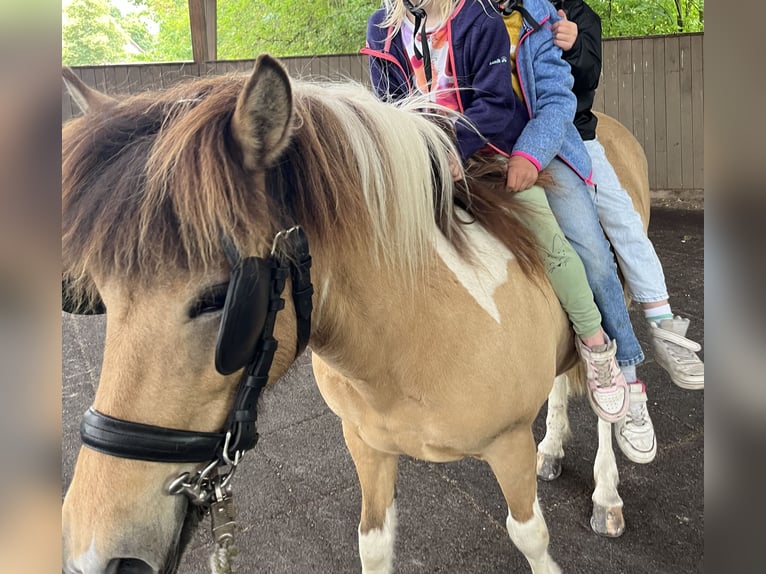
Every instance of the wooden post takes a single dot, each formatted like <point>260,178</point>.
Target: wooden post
<point>202,20</point>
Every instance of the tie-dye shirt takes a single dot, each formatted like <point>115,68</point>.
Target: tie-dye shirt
<point>443,82</point>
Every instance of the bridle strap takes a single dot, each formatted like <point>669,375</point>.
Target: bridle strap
<point>146,442</point>
<point>241,421</point>
<point>303,290</point>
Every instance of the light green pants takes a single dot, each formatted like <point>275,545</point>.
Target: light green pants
<point>562,265</point>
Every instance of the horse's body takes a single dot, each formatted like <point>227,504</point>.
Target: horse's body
<point>429,338</point>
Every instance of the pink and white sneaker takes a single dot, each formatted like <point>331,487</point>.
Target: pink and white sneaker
<point>607,388</point>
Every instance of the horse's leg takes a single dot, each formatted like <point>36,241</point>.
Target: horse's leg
<point>512,459</point>
<point>377,479</point>
<point>550,451</point>
<point>607,519</point>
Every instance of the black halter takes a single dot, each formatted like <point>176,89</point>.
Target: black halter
<point>139,441</point>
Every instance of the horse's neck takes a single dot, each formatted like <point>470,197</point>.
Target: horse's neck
<point>361,311</point>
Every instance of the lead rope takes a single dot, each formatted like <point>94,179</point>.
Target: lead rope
<point>222,560</point>
<point>222,526</point>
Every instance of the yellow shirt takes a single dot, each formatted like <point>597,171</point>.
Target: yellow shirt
<point>513,25</point>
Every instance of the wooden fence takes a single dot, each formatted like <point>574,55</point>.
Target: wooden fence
<point>653,85</point>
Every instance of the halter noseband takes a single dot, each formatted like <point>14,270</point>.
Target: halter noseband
<point>126,439</point>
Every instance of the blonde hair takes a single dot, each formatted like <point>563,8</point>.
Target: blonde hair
<point>396,12</point>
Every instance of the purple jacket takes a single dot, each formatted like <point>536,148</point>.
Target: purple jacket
<point>479,50</point>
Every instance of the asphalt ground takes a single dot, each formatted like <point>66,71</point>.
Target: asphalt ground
<point>298,500</point>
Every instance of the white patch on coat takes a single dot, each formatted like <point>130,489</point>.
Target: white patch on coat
<point>376,547</point>
<point>488,271</point>
<point>531,538</point>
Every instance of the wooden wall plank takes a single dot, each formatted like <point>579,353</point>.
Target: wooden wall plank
<point>610,78</point>
<point>364,70</point>
<point>150,77</point>
<point>636,76</point>
<point>134,80</point>
<point>698,112</point>
<point>647,73</point>
<point>660,123</point>
<point>121,85</point>
<point>625,83</point>
<point>333,67</point>
<point>673,112</point>
<point>110,80</point>
<point>686,117</point>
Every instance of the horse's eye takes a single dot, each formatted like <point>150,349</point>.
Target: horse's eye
<point>210,301</point>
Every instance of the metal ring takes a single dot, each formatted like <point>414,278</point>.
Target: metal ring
<point>225,454</point>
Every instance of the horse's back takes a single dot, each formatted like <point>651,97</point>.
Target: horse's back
<point>627,156</point>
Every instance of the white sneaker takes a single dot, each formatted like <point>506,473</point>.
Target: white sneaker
<point>677,354</point>
<point>635,433</point>
<point>607,388</point>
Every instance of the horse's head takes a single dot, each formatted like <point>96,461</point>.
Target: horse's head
<point>163,195</point>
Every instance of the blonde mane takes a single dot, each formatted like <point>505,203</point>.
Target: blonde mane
<point>156,179</point>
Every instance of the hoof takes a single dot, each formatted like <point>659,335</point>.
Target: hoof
<point>548,467</point>
<point>607,522</point>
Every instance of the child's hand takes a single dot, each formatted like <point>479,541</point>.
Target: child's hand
<point>564,32</point>
<point>522,173</point>
<point>455,168</point>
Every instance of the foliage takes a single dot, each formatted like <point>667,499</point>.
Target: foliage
<point>95,31</point>
<point>91,35</point>
<point>646,17</point>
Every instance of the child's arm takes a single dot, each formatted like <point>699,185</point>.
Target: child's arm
<point>555,103</point>
<point>585,54</point>
<point>493,106</point>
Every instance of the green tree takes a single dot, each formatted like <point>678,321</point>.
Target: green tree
<point>646,17</point>
<point>91,35</point>
<point>172,42</point>
<point>246,28</point>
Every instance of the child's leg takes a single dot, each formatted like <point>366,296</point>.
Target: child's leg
<point>572,204</point>
<point>643,273</point>
<point>608,389</point>
<point>562,266</point>
<point>623,226</point>
<point>569,199</point>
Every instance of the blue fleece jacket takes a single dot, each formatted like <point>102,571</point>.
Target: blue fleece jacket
<point>479,50</point>
<point>546,82</point>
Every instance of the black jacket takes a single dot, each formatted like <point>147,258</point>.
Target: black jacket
<point>585,60</point>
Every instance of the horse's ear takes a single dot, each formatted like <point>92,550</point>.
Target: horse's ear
<point>84,96</point>
<point>262,120</point>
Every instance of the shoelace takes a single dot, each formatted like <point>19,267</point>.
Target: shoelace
<point>636,414</point>
<point>604,373</point>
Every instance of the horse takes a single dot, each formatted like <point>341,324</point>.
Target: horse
<point>185,215</point>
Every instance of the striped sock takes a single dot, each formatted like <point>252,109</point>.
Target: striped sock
<point>657,314</point>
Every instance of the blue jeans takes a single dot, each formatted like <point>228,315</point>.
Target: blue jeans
<point>572,204</point>
<point>635,253</point>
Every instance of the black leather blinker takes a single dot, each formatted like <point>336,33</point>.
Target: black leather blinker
<point>244,314</point>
